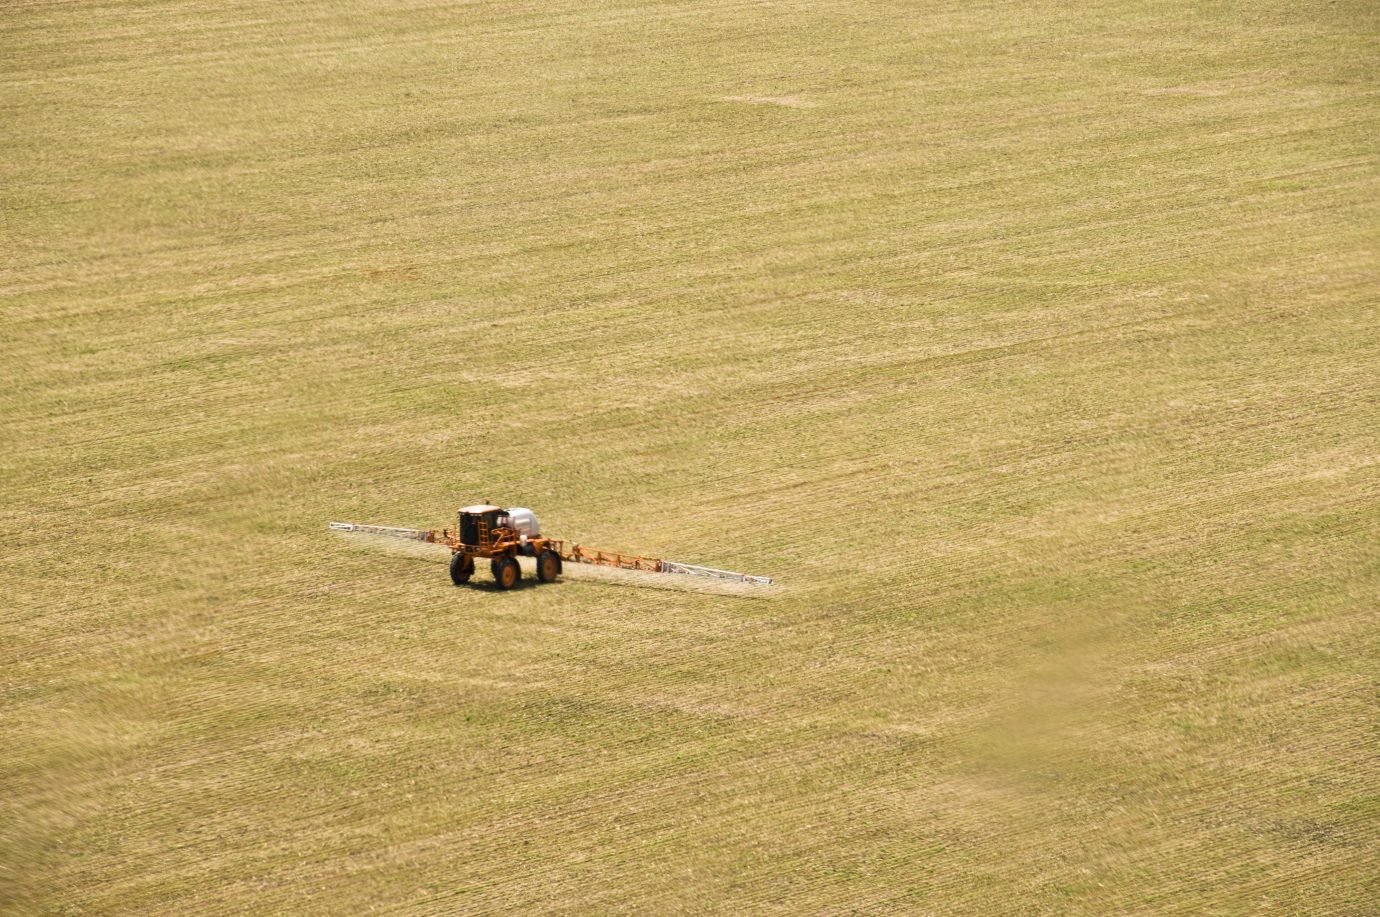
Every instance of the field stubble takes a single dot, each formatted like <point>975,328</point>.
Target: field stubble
<point>1031,348</point>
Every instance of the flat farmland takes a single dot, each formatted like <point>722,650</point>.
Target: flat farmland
<point>1032,349</point>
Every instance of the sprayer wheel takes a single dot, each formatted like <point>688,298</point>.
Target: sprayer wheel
<point>506,572</point>
<point>461,568</point>
<point>548,566</point>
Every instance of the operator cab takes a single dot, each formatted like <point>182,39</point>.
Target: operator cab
<point>471,518</point>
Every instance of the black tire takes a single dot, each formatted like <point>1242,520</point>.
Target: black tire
<point>461,568</point>
<point>506,572</point>
<point>548,566</point>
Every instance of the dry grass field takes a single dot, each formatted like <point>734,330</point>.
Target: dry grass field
<point>1032,347</point>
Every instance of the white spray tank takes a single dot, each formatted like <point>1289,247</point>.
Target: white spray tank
<point>523,521</point>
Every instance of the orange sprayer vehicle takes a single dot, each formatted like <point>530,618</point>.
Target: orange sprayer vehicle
<point>501,536</point>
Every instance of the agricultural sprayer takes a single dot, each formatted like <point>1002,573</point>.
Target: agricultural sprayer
<point>501,536</point>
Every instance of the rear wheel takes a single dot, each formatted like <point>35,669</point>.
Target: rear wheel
<point>506,572</point>
<point>548,566</point>
<point>461,568</point>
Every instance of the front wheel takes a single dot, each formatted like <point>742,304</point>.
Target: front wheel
<point>506,572</point>
<point>548,566</point>
<point>461,568</point>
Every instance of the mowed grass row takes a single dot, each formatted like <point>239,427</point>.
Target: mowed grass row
<point>1030,348</point>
